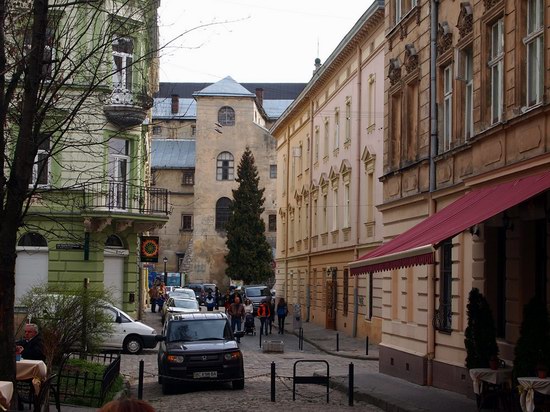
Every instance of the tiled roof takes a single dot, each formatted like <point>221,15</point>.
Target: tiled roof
<point>172,154</point>
<point>225,87</point>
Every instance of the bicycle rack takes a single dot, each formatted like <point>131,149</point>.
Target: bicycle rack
<point>308,379</point>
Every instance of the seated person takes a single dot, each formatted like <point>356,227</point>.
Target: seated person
<point>30,347</point>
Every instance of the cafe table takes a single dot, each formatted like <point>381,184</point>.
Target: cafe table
<point>6,393</point>
<point>528,386</point>
<point>35,370</point>
<point>489,383</point>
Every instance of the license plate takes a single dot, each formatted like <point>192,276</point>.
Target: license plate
<point>198,375</point>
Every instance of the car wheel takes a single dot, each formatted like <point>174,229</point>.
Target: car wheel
<point>133,344</point>
<point>238,384</point>
<point>167,387</point>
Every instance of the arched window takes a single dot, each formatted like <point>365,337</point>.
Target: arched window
<point>223,212</point>
<point>224,166</point>
<point>32,239</point>
<point>114,242</point>
<point>226,116</point>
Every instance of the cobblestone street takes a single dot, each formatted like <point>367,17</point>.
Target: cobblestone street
<point>219,397</point>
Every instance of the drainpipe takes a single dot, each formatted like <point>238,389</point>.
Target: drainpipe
<point>433,152</point>
<point>310,207</point>
<point>287,168</point>
<point>357,188</point>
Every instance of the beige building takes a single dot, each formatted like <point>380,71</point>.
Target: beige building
<point>329,152</point>
<point>219,121</point>
<point>466,160</point>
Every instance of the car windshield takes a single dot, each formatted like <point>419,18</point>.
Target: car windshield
<point>184,303</point>
<point>256,292</point>
<point>195,330</point>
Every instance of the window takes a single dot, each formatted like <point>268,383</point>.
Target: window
<point>272,223</point>
<point>273,171</point>
<point>335,209</point>
<point>32,239</point>
<point>347,130</point>
<point>336,129</point>
<point>447,106</point>
<point>123,50</point>
<point>347,211</point>
<point>445,287</point>
<point>371,111</point>
<point>223,212</point>
<point>468,74</point>
<point>41,166</point>
<point>324,217</point>
<point>401,8</point>
<point>157,130</point>
<point>325,149</point>
<point>193,130</point>
<point>226,116</point>
<point>119,166</point>
<point>186,222</point>
<point>535,52</point>
<point>188,177</point>
<point>114,242</point>
<point>316,145</point>
<point>314,221</point>
<point>496,67</point>
<point>225,168</point>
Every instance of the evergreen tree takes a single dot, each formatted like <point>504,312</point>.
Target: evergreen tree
<point>249,257</point>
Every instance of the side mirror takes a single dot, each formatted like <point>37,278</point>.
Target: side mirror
<point>160,338</point>
<point>118,318</point>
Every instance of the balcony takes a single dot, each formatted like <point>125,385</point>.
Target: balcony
<point>122,197</point>
<point>126,108</point>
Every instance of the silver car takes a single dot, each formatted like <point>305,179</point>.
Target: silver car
<point>179,305</point>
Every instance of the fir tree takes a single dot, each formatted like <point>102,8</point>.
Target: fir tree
<point>249,257</point>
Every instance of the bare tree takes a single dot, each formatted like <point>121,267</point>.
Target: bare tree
<point>58,72</point>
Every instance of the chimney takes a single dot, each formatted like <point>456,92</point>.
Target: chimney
<point>175,104</point>
<point>260,96</point>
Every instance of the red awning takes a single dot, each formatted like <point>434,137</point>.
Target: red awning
<point>416,245</point>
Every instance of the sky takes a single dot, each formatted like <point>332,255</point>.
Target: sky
<point>251,40</point>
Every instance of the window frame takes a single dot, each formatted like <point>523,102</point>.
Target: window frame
<point>123,73</point>
<point>273,171</point>
<point>534,38</point>
<point>225,167</point>
<point>496,71</point>
<point>41,168</point>
<point>188,178</point>
<point>447,79</point>
<point>223,213</point>
<point>186,222</point>
<point>226,116</point>
<point>272,223</point>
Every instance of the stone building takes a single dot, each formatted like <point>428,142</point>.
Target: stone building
<point>329,151</point>
<point>222,119</point>
<point>465,181</point>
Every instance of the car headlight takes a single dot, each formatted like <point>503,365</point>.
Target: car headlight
<point>174,358</point>
<point>232,356</point>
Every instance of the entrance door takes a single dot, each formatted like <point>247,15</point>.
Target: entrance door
<point>330,291</point>
<point>113,274</point>
<point>31,269</point>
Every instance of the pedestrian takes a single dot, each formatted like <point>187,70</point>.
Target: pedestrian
<point>217,296</point>
<point>227,301</point>
<point>264,314</point>
<point>271,318</point>
<point>154,296</point>
<point>248,306</point>
<point>127,405</point>
<point>282,312</point>
<point>30,347</point>
<point>210,301</point>
<point>236,311</point>
<point>161,295</point>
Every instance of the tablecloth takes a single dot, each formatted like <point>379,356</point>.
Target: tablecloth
<point>6,392</point>
<point>31,369</point>
<point>529,385</point>
<point>493,376</point>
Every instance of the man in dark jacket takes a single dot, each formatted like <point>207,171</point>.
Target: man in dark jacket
<point>30,347</point>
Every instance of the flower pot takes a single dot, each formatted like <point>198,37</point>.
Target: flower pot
<point>542,373</point>
<point>494,363</point>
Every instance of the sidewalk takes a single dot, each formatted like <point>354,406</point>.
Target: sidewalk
<point>386,392</point>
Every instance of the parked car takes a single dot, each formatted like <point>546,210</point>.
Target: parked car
<point>183,293</point>
<point>198,347</point>
<point>128,334</point>
<point>209,287</point>
<point>200,293</point>
<point>256,293</point>
<point>179,305</point>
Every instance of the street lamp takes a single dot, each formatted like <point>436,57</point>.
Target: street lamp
<point>165,259</point>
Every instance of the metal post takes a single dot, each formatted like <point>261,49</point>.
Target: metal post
<point>350,385</point>
<point>140,380</point>
<point>337,342</point>
<point>367,346</point>
<point>272,381</point>
<point>165,260</point>
<point>260,335</point>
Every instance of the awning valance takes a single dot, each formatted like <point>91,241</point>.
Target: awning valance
<point>416,246</point>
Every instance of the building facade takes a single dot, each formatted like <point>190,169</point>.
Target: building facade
<point>465,182</point>
<point>91,198</point>
<point>221,119</point>
<point>329,153</point>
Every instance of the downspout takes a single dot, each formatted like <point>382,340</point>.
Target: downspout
<point>287,174</point>
<point>433,152</point>
<point>310,208</point>
<point>357,190</point>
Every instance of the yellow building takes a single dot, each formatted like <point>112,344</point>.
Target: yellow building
<point>466,159</point>
<point>329,154</point>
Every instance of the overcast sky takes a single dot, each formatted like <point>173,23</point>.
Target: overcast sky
<point>251,40</point>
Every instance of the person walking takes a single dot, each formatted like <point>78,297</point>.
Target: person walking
<point>217,296</point>
<point>264,314</point>
<point>236,311</point>
<point>271,318</point>
<point>154,296</point>
<point>248,306</point>
<point>282,312</point>
<point>210,301</point>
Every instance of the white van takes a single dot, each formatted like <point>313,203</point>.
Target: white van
<point>129,335</point>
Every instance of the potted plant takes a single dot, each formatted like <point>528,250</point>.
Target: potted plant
<point>480,334</point>
<point>532,352</point>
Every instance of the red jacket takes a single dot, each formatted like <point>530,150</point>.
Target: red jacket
<point>264,311</point>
